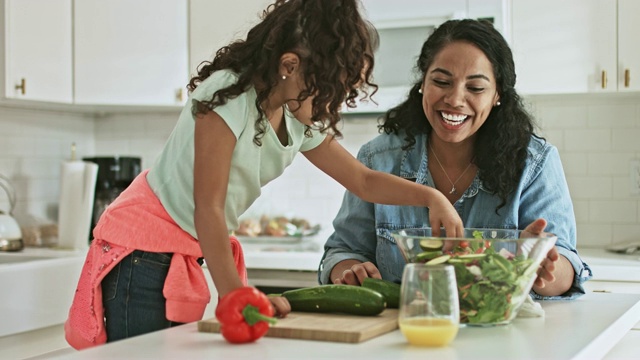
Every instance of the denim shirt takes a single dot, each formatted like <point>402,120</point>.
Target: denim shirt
<point>362,230</point>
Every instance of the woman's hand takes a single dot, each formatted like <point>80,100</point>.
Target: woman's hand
<point>547,268</point>
<point>555,274</point>
<point>280,305</point>
<point>352,272</point>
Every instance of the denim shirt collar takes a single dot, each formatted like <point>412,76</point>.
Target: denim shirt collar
<point>415,165</point>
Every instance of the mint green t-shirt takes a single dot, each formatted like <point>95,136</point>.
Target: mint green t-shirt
<point>252,166</point>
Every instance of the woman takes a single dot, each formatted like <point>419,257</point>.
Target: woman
<point>462,130</point>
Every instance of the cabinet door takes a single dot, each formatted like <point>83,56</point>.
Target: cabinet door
<point>564,46</point>
<point>130,52</point>
<point>211,28</point>
<point>38,57</point>
<point>628,49</point>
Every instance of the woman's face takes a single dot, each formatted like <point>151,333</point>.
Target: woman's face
<point>459,91</point>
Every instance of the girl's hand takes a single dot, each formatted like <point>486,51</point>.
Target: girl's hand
<point>281,305</point>
<point>356,274</point>
<point>443,214</point>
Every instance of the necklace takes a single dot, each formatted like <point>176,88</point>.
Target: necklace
<point>453,183</point>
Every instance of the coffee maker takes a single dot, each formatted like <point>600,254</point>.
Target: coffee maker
<point>115,173</point>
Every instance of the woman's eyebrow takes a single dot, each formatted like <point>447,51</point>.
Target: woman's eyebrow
<point>470,77</point>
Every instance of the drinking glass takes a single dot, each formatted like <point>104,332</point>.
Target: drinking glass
<point>429,310</point>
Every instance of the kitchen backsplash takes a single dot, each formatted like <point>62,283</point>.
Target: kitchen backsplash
<point>597,136</point>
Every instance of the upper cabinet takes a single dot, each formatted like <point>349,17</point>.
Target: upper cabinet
<point>130,52</point>
<point>628,50</point>
<point>575,46</point>
<point>36,50</point>
<point>211,27</point>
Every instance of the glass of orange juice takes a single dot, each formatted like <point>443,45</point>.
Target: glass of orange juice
<point>429,310</point>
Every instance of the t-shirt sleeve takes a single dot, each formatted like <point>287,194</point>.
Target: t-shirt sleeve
<point>235,111</point>
<point>312,142</point>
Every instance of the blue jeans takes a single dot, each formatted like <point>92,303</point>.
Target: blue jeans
<point>132,295</point>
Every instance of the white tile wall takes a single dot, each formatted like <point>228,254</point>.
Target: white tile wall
<point>597,136</point>
<point>33,144</point>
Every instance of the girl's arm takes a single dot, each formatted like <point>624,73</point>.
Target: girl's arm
<point>382,188</point>
<point>214,144</point>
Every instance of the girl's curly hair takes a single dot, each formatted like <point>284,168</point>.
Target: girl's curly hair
<point>502,141</point>
<point>335,45</point>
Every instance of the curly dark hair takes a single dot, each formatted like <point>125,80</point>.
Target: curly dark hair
<point>501,145</point>
<point>335,45</point>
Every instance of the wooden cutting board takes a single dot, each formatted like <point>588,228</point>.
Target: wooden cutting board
<point>324,327</point>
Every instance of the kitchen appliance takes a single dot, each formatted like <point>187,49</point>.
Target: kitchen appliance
<point>10,233</point>
<point>115,173</point>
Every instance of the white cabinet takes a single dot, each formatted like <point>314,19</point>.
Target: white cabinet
<point>575,46</point>
<point>130,52</point>
<point>628,49</point>
<point>212,27</point>
<point>37,50</point>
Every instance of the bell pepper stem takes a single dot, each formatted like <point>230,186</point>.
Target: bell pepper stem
<point>252,315</point>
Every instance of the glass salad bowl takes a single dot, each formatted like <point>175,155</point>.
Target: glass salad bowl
<point>495,268</point>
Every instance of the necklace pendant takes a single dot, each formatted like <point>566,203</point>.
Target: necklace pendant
<point>453,190</point>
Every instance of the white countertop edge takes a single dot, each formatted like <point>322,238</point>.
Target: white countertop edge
<point>606,341</point>
<point>303,261</point>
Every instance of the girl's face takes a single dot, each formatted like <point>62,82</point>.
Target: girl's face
<point>459,91</point>
<point>302,110</point>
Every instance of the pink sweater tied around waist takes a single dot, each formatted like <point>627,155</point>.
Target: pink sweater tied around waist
<point>136,220</point>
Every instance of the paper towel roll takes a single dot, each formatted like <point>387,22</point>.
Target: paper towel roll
<point>78,184</point>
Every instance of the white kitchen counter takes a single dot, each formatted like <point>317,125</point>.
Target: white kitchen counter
<point>37,287</point>
<point>608,266</point>
<point>584,328</point>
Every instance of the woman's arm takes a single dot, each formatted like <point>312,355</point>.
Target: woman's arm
<point>546,195</point>
<point>382,188</point>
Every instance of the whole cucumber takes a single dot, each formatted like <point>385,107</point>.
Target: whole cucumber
<point>336,298</point>
<point>388,289</point>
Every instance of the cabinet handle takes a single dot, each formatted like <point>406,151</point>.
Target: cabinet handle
<point>604,79</point>
<point>627,77</point>
<point>179,95</point>
<point>23,86</point>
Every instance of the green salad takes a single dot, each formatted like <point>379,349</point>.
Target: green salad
<point>491,282</point>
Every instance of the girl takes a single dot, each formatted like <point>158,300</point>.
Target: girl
<point>259,102</point>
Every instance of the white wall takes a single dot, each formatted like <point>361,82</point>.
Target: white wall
<point>597,136</point>
<point>33,145</point>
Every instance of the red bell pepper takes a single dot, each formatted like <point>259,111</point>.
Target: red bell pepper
<point>244,315</point>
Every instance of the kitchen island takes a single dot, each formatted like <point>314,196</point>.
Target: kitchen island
<point>586,328</point>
